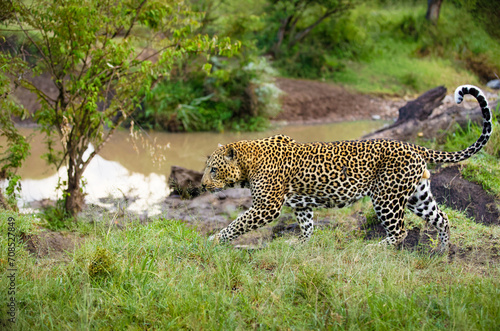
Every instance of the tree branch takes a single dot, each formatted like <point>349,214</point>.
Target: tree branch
<point>308,29</point>
<point>134,19</point>
<point>49,63</point>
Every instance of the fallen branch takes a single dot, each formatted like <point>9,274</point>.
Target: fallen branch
<point>418,118</point>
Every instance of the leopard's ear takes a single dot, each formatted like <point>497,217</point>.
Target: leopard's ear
<point>230,153</point>
<point>220,145</point>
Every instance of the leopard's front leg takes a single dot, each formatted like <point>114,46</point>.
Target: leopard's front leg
<point>258,215</point>
<point>267,201</point>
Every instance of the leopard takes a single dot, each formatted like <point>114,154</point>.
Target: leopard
<point>305,176</point>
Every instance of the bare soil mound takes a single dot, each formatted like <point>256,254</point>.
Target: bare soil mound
<point>451,189</point>
<point>308,102</point>
<point>51,244</point>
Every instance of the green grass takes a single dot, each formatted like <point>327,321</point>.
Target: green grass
<point>467,234</point>
<point>402,75</point>
<point>378,47</point>
<point>165,275</point>
<point>485,170</point>
<point>393,50</point>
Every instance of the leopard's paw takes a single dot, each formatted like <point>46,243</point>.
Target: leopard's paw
<point>214,238</point>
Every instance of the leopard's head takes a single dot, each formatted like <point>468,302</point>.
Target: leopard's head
<point>222,169</point>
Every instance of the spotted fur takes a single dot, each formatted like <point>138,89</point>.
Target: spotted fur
<point>280,171</point>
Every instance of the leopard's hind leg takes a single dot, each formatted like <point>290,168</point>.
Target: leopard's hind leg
<point>305,220</point>
<point>396,180</point>
<point>422,203</point>
<point>390,212</point>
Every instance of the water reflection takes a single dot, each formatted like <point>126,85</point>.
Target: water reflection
<point>122,170</point>
<point>104,181</point>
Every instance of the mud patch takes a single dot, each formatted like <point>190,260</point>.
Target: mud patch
<point>482,258</point>
<point>50,244</point>
<point>451,189</point>
<point>293,229</point>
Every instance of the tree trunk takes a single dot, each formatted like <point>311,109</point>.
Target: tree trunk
<point>276,48</point>
<point>74,197</point>
<point>433,8</point>
<point>3,202</point>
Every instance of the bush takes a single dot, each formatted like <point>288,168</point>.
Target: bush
<point>56,217</point>
<point>101,264</point>
<point>238,95</point>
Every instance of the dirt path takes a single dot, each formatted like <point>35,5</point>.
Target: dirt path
<point>308,102</point>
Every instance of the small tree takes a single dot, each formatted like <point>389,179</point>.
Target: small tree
<point>16,148</point>
<point>290,12</point>
<point>103,57</point>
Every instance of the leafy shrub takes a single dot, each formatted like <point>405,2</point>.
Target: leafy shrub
<point>265,95</point>
<point>307,62</point>
<point>57,217</point>
<point>236,95</point>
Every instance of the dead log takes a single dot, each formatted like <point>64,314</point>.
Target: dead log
<point>422,107</point>
<point>419,118</point>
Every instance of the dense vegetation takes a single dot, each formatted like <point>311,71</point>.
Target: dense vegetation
<point>381,47</point>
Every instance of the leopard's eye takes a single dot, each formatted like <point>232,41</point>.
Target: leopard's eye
<point>213,170</point>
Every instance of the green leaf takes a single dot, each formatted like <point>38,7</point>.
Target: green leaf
<point>207,67</point>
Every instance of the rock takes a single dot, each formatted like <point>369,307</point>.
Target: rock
<point>185,182</point>
<point>494,84</point>
<point>241,197</point>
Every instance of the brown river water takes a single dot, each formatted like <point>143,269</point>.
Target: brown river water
<point>124,170</point>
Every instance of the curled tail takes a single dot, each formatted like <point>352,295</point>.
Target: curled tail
<point>449,157</point>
